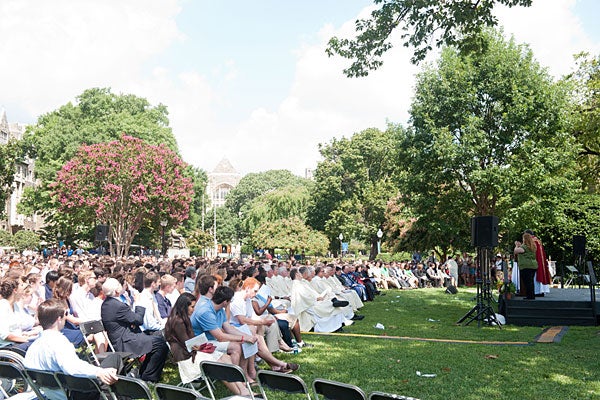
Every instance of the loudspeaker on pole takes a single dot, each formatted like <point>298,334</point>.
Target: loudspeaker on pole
<point>101,233</point>
<point>579,245</point>
<point>484,231</point>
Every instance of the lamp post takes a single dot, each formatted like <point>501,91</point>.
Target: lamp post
<point>379,236</point>
<point>163,246</point>
<point>341,237</point>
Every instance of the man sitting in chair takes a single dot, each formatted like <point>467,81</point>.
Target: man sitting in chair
<point>123,328</point>
<point>53,352</point>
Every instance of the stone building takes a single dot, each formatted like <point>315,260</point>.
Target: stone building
<point>220,182</point>
<point>24,177</point>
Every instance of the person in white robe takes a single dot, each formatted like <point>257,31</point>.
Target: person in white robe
<point>313,311</point>
<point>342,292</point>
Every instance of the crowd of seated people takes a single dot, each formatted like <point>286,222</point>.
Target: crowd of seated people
<point>148,310</point>
<point>150,307</point>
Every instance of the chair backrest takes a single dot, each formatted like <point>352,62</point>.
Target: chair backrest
<point>388,396</point>
<point>132,388</point>
<point>14,380</point>
<point>332,390</point>
<point>43,379</point>
<point>213,370</point>
<point>170,392</point>
<point>44,382</point>
<point>79,384</point>
<point>281,382</point>
<point>92,328</point>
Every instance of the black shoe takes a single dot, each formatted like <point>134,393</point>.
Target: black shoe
<point>339,330</point>
<point>338,303</point>
<point>358,317</point>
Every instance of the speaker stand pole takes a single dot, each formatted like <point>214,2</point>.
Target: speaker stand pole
<point>482,312</point>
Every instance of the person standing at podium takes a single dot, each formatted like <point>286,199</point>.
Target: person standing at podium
<point>526,252</point>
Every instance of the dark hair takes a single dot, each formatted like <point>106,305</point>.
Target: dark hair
<point>180,308</point>
<point>261,278</point>
<point>179,314</point>
<point>49,311</point>
<point>52,276</point>
<point>204,283</point>
<point>7,287</point>
<point>150,278</point>
<point>63,289</point>
<point>96,289</point>
<point>222,294</point>
<point>248,272</point>
<point>138,278</point>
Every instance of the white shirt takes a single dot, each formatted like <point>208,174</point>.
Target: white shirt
<point>240,306</point>
<point>52,351</point>
<point>152,320</point>
<point>81,300</point>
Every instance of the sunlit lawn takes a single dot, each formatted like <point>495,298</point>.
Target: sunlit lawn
<point>566,370</point>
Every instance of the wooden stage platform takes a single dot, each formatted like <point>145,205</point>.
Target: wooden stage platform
<point>568,306</point>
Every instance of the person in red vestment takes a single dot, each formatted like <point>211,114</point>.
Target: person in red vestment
<point>543,272</point>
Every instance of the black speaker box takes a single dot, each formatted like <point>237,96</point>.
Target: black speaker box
<point>579,245</point>
<point>451,289</point>
<point>484,231</point>
<point>101,233</point>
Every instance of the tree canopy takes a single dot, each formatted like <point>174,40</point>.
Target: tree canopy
<point>124,183</point>
<point>585,119</point>
<point>353,184</point>
<point>98,116</point>
<point>10,153</point>
<point>290,234</point>
<point>255,184</point>
<point>455,23</point>
<point>488,137</point>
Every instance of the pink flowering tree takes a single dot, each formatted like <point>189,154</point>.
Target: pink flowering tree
<point>124,184</point>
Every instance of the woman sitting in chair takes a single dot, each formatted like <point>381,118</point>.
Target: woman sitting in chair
<point>178,329</point>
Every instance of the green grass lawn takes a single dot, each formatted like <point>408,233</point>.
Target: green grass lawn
<point>566,370</point>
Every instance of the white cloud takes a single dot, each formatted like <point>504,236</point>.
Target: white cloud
<point>321,104</point>
<point>53,50</point>
<point>551,29</point>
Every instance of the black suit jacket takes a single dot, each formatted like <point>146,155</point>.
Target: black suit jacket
<point>123,327</point>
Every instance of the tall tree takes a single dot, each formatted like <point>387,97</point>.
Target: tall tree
<point>10,153</point>
<point>255,184</point>
<point>124,183</point>
<point>585,120</point>
<point>290,234</point>
<point>97,116</point>
<point>242,198</point>
<point>453,23</point>
<point>353,184</point>
<point>488,138</point>
<point>286,202</point>
<point>199,202</point>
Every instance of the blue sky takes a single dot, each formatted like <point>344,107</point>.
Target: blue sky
<point>246,80</point>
